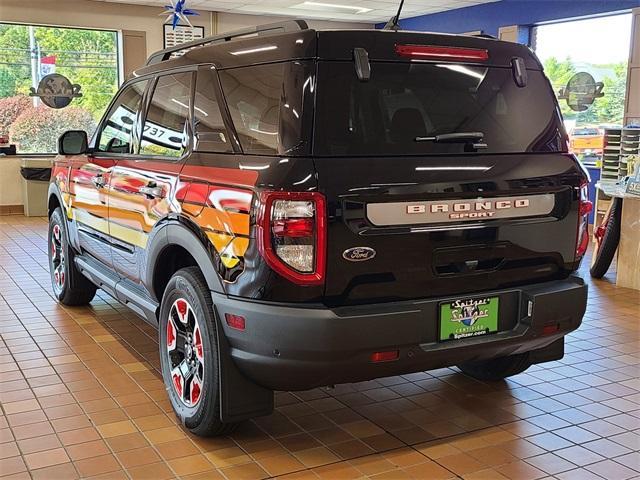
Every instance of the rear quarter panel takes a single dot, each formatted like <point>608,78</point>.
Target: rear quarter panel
<point>219,194</point>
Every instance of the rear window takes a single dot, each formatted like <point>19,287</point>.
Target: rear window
<point>404,101</point>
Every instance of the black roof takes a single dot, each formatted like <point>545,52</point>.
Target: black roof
<point>294,40</point>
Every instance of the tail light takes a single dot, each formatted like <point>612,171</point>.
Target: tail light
<point>436,52</point>
<point>292,239</point>
<point>235,321</point>
<point>386,356</point>
<point>584,209</point>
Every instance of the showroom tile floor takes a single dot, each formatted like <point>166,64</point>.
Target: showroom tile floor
<point>81,397</point>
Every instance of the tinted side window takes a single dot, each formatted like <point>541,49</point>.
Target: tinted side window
<point>210,133</point>
<point>164,132</point>
<point>253,95</point>
<point>116,132</point>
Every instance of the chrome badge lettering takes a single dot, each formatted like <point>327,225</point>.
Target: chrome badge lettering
<point>443,211</point>
<point>416,209</point>
<point>462,210</point>
<point>358,254</point>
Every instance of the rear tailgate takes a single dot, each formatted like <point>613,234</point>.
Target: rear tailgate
<point>518,226</point>
<point>430,218</point>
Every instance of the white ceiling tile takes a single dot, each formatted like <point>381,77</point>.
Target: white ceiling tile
<point>380,10</point>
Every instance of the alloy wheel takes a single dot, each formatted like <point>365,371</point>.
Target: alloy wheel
<point>57,258</point>
<point>186,353</point>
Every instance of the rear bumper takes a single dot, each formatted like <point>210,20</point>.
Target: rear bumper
<point>296,348</point>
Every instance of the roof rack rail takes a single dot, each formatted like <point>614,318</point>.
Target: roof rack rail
<point>286,26</point>
<point>484,35</point>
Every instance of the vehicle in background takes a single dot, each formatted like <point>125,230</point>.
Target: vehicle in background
<point>587,142</point>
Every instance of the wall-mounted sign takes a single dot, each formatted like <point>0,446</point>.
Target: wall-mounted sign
<point>181,34</point>
<point>581,91</point>
<point>56,91</point>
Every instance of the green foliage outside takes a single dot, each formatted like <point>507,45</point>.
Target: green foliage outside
<point>606,110</point>
<point>85,57</point>
<point>10,110</point>
<point>38,129</point>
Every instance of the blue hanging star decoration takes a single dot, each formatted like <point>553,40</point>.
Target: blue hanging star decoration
<point>177,12</point>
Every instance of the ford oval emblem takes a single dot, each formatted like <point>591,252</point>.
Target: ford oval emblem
<point>359,254</point>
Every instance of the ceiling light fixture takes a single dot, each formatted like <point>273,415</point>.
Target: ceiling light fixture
<point>331,6</point>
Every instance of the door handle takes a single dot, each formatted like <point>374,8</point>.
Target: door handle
<point>151,190</point>
<point>98,180</point>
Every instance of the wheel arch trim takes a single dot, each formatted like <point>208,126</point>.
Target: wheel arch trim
<point>181,232</point>
<point>54,191</point>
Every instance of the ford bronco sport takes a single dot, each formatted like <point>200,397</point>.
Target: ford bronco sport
<point>297,208</point>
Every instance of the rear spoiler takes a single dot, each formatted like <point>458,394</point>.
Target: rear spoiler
<point>381,45</point>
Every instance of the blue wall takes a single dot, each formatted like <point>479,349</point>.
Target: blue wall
<point>489,17</point>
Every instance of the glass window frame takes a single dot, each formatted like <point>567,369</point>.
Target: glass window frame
<point>188,121</point>
<point>95,139</point>
<point>142,116</point>
<point>223,108</point>
<point>304,148</point>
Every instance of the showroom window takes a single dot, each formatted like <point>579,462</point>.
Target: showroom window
<point>598,47</point>
<point>87,59</point>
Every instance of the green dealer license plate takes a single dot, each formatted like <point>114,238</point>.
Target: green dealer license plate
<point>469,317</point>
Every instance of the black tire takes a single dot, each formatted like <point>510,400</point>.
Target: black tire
<point>200,415</point>
<point>497,368</point>
<point>70,287</point>
<point>606,248</point>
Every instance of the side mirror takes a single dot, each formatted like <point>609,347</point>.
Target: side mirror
<point>73,142</point>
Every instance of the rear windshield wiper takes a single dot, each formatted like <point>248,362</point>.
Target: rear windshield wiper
<point>473,139</point>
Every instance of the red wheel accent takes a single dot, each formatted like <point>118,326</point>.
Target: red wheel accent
<point>197,340</point>
<point>171,335</point>
<point>178,381</point>
<point>182,307</point>
<point>196,389</point>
